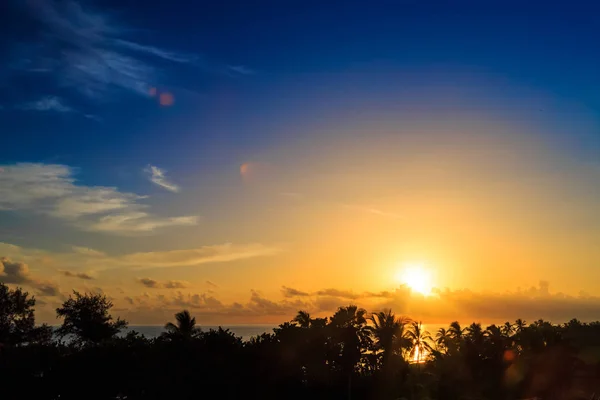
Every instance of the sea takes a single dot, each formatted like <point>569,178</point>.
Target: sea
<point>243,331</point>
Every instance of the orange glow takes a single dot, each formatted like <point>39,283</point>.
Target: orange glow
<point>166,99</point>
<point>152,92</point>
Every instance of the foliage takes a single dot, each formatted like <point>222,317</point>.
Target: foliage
<point>87,319</point>
<point>17,320</point>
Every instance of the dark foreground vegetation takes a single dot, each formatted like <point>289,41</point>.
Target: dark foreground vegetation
<point>350,355</point>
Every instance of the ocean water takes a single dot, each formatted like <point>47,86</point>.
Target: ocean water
<point>244,331</point>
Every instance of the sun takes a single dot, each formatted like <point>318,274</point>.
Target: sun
<point>417,278</point>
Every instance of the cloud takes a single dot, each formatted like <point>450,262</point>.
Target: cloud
<point>154,284</point>
<point>18,273</point>
<point>344,294</point>
<point>48,103</point>
<point>291,292</point>
<point>14,272</point>
<point>80,275</point>
<point>51,189</point>
<point>77,260</point>
<point>158,177</point>
<point>87,251</point>
<point>205,254</point>
<point>48,289</point>
<point>175,284</point>
<point>149,283</point>
<point>92,53</point>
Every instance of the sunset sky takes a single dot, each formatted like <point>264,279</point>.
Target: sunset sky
<point>245,160</point>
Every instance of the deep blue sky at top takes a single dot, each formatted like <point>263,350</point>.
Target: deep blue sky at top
<point>269,70</point>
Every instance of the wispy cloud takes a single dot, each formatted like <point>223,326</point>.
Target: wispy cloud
<point>91,52</point>
<point>159,178</point>
<point>75,259</point>
<point>205,254</point>
<point>52,190</point>
<point>87,251</point>
<point>48,103</point>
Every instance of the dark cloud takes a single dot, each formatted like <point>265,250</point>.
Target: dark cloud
<point>48,289</point>
<point>149,283</point>
<point>291,292</point>
<point>211,284</point>
<point>154,284</point>
<point>14,272</point>
<point>18,273</point>
<point>80,275</point>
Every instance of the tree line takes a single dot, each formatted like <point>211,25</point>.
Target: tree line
<point>349,355</point>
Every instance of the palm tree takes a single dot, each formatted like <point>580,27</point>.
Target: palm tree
<point>507,329</point>
<point>388,332</point>
<point>420,340</point>
<point>442,339</point>
<point>185,327</point>
<point>303,319</point>
<point>456,332</point>
<point>520,325</point>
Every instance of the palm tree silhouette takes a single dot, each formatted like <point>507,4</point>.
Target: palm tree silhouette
<point>520,325</point>
<point>184,328</point>
<point>507,329</point>
<point>442,339</point>
<point>389,332</point>
<point>303,319</point>
<point>420,340</point>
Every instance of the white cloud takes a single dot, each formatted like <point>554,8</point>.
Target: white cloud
<point>138,222</point>
<point>47,103</point>
<point>52,190</point>
<point>158,177</point>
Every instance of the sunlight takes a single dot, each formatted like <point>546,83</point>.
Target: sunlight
<point>419,355</point>
<point>417,278</point>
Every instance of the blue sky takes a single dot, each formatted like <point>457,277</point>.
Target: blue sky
<point>248,126</point>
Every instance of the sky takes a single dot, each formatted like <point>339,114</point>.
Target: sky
<point>246,160</point>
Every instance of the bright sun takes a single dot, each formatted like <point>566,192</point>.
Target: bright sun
<point>417,278</point>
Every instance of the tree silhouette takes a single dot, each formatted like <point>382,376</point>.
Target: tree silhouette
<point>17,318</point>
<point>443,340</point>
<point>303,319</point>
<point>87,319</point>
<point>389,333</point>
<point>184,328</point>
<point>420,340</point>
